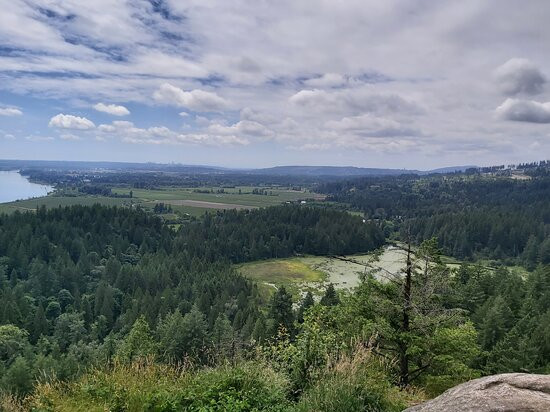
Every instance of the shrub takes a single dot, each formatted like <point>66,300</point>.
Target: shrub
<point>356,383</point>
<point>161,388</point>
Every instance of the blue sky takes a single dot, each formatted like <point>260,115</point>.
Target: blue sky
<point>402,84</point>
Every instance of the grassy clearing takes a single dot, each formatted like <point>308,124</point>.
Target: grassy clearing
<point>293,273</point>
<point>316,272</point>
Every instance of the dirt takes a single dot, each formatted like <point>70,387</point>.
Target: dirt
<point>207,205</point>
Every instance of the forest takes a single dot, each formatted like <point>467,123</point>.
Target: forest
<point>110,307</point>
<point>472,216</point>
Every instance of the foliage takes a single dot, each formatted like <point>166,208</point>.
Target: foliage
<point>470,215</point>
<point>153,387</point>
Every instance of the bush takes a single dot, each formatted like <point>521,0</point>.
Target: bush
<point>153,387</point>
<point>357,383</point>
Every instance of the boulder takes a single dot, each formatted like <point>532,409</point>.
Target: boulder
<point>513,392</point>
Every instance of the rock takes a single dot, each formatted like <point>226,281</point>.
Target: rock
<point>513,392</point>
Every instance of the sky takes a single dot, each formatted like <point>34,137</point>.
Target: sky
<point>399,84</point>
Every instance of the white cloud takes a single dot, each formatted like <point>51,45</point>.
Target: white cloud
<point>10,111</point>
<point>107,128</point>
<point>196,100</point>
<point>391,60</point>
<point>113,109</point>
<point>183,114</point>
<point>127,132</point>
<point>524,111</point>
<point>9,136</point>
<point>326,80</point>
<point>38,138</point>
<point>518,76</point>
<point>69,136</point>
<point>243,127</point>
<point>67,121</point>
<point>368,125</point>
<point>353,101</point>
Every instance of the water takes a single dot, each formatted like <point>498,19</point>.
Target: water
<point>13,186</point>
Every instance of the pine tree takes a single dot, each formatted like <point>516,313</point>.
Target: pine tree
<point>39,325</point>
<point>330,298</point>
<point>307,302</point>
<point>281,313</point>
<point>138,343</point>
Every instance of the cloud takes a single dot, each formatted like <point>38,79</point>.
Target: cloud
<point>38,138</point>
<point>524,111</point>
<point>354,101</point>
<point>183,114</point>
<point>196,100</point>
<point>9,136</point>
<point>390,60</point>
<point>326,80</point>
<point>67,121</point>
<point>113,109</point>
<point>10,111</point>
<point>368,125</point>
<point>69,136</point>
<point>158,135</point>
<point>243,127</point>
<point>520,76</point>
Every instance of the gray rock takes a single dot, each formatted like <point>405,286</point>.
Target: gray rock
<point>508,392</point>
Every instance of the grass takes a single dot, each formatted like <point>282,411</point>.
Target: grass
<point>148,198</point>
<point>281,270</point>
<point>292,273</point>
<point>55,201</point>
<point>301,274</point>
<point>231,196</point>
<point>360,382</point>
<point>154,387</point>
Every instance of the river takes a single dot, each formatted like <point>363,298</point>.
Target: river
<point>13,187</point>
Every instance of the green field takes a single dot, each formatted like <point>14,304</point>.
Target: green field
<point>184,201</point>
<point>231,195</point>
<point>293,273</point>
<point>55,201</point>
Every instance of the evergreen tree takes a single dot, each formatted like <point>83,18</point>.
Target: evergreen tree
<point>307,302</point>
<point>281,313</point>
<point>139,343</point>
<point>330,298</point>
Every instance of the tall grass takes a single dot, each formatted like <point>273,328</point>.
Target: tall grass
<point>355,382</point>
<point>145,386</point>
<point>358,382</point>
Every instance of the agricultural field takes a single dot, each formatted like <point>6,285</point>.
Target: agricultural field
<point>183,201</point>
<point>234,198</point>
<point>60,201</point>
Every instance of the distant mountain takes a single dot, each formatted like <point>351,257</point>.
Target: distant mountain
<point>452,169</point>
<point>343,171</point>
<point>307,171</point>
<point>331,171</point>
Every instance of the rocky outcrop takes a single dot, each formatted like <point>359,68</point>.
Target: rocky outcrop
<point>513,392</point>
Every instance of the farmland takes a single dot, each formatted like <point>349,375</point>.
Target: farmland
<point>238,196</point>
<point>60,201</point>
<point>183,201</point>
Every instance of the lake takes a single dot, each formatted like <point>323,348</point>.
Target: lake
<point>13,186</point>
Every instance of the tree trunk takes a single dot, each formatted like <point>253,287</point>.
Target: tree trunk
<point>405,325</point>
